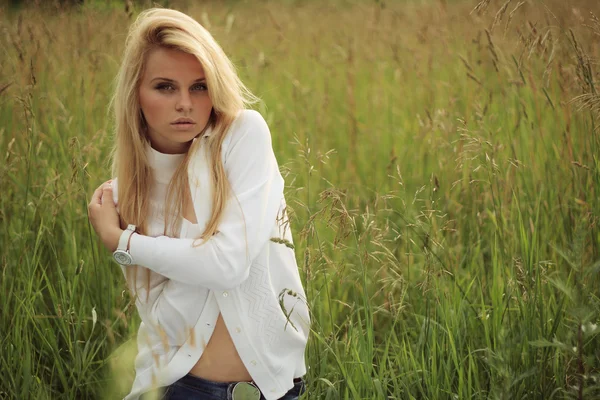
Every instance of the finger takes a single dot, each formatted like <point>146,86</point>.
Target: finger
<point>96,197</point>
<point>107,196</point>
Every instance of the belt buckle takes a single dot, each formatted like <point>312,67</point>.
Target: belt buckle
<point>245,391</point>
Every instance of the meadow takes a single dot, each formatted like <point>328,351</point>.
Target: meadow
<point>442,165</point>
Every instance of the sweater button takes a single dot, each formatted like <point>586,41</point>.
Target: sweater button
<point>225,294</point>
<point>238,329</point>
<point>253,362</point>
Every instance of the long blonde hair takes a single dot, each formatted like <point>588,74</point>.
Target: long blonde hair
<point>160,27</point>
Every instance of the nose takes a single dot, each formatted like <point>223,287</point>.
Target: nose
<point>184,102</point>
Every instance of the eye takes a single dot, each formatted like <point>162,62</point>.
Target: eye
<point>200,87</point>
<point>165,87</point>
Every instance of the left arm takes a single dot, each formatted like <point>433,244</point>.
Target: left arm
<point>146,284</point>
<point>223,261</point>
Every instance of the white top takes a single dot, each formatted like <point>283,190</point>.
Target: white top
<point>244,271</point>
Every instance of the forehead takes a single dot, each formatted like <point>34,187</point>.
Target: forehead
<point>172,64</point>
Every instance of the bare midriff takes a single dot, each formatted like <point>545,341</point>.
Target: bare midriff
<point>220,361</point>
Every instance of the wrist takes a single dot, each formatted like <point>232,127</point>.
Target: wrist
<point>113,239</point>
<point>121,253</point>
<point>128,247</point>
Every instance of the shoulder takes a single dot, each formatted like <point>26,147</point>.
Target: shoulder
<point>249,127</point>
<point>250,119</point>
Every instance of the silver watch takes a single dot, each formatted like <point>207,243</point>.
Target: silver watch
<point>121,254</point>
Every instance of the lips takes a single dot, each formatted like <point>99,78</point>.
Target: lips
<point>183,121</point>
<point>183,124</point>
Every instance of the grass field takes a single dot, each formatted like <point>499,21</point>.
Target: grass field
<point>442,162</point>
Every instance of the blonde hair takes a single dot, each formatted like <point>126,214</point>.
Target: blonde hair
<point>155,28</point>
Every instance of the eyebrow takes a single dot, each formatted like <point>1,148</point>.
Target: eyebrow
<point>172,81</point>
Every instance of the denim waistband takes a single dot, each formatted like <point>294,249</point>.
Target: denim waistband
<point>219,389</point>
<point>196,380</point>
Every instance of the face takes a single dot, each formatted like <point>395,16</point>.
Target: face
<point>174,99</point>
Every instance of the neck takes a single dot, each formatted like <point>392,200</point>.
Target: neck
<point>163,164</point>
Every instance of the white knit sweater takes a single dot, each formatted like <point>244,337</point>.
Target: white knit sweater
<point>244,271</point>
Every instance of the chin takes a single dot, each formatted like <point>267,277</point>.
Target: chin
<point>186,139</point>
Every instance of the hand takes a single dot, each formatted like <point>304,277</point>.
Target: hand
<point>104,217</point>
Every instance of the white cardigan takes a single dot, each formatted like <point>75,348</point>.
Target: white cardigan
<point>251,274</point>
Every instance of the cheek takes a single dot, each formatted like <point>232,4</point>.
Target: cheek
<point>153,106</point>
<point>204,104</point>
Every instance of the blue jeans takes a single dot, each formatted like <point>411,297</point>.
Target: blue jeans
<point>192,387</point>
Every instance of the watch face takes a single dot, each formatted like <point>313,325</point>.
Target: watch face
<point>122,257</point>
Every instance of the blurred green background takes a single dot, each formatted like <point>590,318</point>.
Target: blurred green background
<point>442,169</point>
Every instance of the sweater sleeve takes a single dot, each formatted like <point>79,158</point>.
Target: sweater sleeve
<point>223,260</point>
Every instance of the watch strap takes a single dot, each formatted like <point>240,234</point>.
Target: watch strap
<point>124,239</point>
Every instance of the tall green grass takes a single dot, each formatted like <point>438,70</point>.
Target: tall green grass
<point>442,169</point>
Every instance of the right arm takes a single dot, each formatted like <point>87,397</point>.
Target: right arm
<point>145,285</point>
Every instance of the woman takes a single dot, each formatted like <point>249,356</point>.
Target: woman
<point>207,252</point>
